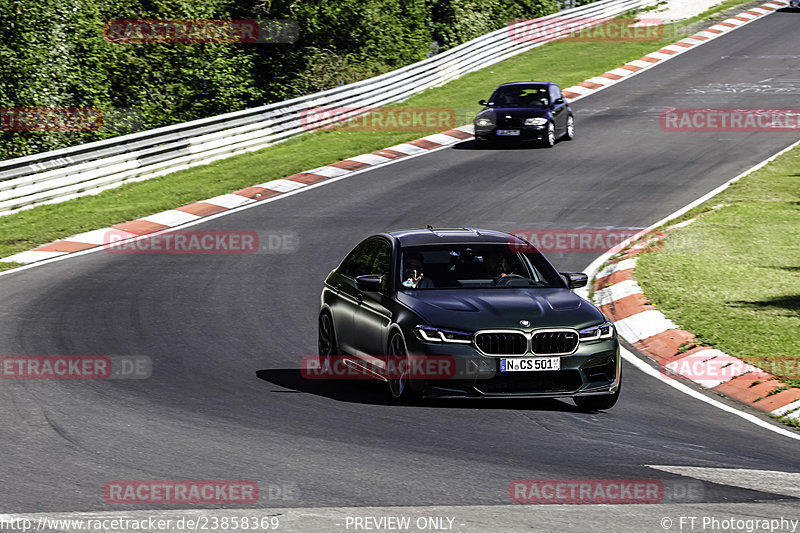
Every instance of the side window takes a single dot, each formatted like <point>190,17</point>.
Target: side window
<point>382,263</point>
<point>358,262</point>
<point>555,93</point>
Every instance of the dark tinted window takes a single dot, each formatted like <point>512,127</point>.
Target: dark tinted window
<point>359,261</point>
<point>451,266</point>
<point>555,93</point>
<point>382,261</point>
<point>520,95</point>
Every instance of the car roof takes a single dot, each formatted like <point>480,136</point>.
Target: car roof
<point>421,237</point>
<point>524,83</point>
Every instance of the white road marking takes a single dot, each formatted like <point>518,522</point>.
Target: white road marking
<point>328,171</point>
<point>282,185</point>
<point>650,371</point>
<point>229,201</point>
<point>773,481</point>
<point>171,217</point>
<point>625,264</point>
<point>643,325</point>
<point>617,291</point>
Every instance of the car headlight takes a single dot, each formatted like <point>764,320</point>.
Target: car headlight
<point>430,334</point>
<point>484,122</point>
<point>538,121</point>
<point>601,331</point>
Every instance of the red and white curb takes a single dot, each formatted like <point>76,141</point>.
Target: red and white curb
<point>179,216</point>
<point>678,353</point>
<point>668,52</point>
<point>189,213</point>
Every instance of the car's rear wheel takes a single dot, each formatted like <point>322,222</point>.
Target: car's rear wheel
<point>550,137</point>
<point>570,133</point>
<point>401,387</point>
<point>598,403</point>
<point>326,340</point>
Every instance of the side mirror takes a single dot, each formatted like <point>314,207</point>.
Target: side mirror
<point>370,282</point>
<point>483,102</point>
<point>558,101</point>
<point>575,280</point>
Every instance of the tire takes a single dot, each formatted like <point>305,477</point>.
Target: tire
<point>598,403</point>
<point>480,144</point>
<point>326,340</point>
<point>401,388</point>
<point>550,138</point>
<point>570,133</point>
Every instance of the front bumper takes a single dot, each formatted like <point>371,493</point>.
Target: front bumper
<point>526,133</point>
<point>594,369</point>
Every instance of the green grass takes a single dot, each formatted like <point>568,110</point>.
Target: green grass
<point>711,12</point>
<point>565,62</point>
<point>44,224</point>
<point>733,276</point>
<point>789,421</point>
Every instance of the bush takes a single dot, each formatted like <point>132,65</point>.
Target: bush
<point>54,54</point>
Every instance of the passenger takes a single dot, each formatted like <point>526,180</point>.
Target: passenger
<point>413,272</point>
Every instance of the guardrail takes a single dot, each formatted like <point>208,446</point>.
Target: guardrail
<point>60,175</point>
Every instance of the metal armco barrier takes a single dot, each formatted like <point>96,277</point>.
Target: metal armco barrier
<point>60,175</point>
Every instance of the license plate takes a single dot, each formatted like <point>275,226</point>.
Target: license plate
<point>530,364</point>
<point>510,133</point>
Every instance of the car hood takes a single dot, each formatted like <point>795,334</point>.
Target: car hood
<point>474,309</point>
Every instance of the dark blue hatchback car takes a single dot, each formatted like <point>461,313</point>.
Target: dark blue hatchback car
<point>525,111</point>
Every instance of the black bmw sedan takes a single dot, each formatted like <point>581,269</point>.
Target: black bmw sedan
<point>525,111</point>
<point>485,306</point>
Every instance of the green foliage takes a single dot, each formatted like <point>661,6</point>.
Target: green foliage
<point>54,54</point>
<point>458,21</point>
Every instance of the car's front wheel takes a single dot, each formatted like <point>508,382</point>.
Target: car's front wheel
<point>598,403</point>
<point>570,133</point>
<point>401,386</point>
<point>550,137</point>
<point>480,143</point>
<point>326,340</point>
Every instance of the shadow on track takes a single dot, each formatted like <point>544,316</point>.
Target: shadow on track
<point>497,147</point>
<point>375,393</point>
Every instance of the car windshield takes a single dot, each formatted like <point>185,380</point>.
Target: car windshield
<point>531,96</point>
<point>464,266</point>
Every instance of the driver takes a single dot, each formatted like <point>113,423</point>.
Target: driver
<point>496,265</point>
